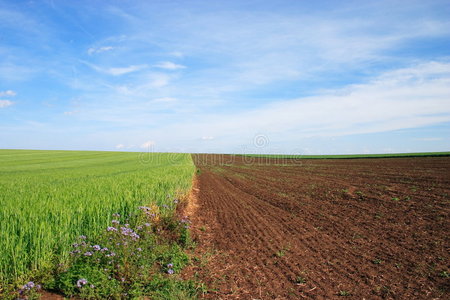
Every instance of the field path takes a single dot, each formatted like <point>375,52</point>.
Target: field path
<point>263,237</point>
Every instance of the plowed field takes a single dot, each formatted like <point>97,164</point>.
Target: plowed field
<point>322,229</point>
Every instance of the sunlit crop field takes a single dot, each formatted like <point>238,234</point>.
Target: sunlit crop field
<point>48,198</point>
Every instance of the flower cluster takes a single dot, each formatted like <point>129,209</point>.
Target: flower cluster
<point>29,288</point>
<point>185,222</point>
<point>87,251</point>
<point>125,230</point>
<point>151,212</point>
<point>30,285</point>
<point>170,269</point>
<point>124,252</point>
<point>81,282</point>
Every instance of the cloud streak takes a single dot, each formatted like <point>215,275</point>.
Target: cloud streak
<point>117,71</point>
<point>5,103</point>
<point>401,99</point>
<point>169,65</point>
<point>95,50</point>
<point>148,144</point>
<point>7,93</point>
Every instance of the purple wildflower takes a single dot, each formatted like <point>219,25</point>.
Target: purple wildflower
<point>139,249</point>
<point>104,249</point>
<point>75,245</point>
<point>115,222</point>
<point>135,236</point>
<point>170,271</point>
<point>28,286</point>
<point>111,228</point>
<point>185,221</point>
<point>126,231</point>
<point>75,252</point>
<point>96,247</point>
<point>116,215</point>
<point>83,237</point>
<point>81,282</point>
<point>88,253</point>
<point>170,266</point>
<point>92,286</point>
<point>147,224</point>
<point>111,254</point>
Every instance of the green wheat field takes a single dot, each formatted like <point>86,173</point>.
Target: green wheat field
<point>49,198</point>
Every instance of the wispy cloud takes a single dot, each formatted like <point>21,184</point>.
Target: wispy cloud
<point>116,71</point>
<point>120,146</point>
<point>94,50</point>
<point>207,138</point>
<point>71,113</point>
<point>11,70</point>
<point>5,103</point>
<point>169,65</point>
<point>7,93</point>
<point>401,99</point>
<point>125,70</point>
<point>405,98</point>
<point>148,144</point>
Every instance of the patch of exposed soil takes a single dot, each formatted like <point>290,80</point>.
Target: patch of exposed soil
<point>322,229</point>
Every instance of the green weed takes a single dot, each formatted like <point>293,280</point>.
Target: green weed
<point>344,293</point>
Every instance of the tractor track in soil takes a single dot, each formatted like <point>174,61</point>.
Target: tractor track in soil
<point>315,229</point>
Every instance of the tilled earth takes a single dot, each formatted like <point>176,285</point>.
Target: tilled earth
<point>322,229</point>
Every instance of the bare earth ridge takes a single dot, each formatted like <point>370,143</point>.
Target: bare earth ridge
<point>322,229</point>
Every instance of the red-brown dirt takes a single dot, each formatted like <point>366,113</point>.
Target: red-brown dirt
<point>322,229</point>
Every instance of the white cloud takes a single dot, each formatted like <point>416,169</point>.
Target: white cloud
<point>5,103</point>
<point>70,113</point>
<point>207,138</point>
<point>7,93</point>
<point>16,72</point>
<point>169,65</point>
<point>116,71</point>
<point>120,146</point>
<point>157,81</point>
<point>94,50</point>
<point>406,98</point>
<point>121,71</point>
<point>148,144</point>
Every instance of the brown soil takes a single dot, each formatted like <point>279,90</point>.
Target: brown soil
<point>322,229</point>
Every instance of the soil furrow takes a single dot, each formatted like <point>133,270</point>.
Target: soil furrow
<point>373,229</point>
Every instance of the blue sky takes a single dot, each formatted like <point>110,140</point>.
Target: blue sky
<point>302,77</point>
